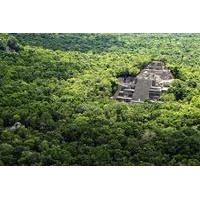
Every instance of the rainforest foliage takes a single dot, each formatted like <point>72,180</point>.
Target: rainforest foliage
<point>59,87</point>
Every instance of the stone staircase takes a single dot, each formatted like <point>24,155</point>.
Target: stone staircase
<point>142,89</point>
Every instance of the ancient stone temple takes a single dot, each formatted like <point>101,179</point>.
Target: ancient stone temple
<point>148,84</point>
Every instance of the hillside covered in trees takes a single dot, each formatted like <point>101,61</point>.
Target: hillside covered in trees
<point>56,106</point>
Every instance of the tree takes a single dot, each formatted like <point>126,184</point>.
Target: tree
<point>180,90</point>
<point>6,154</point>
<point>2,45</point>
<point>13,44</point>
<point>176,72</point>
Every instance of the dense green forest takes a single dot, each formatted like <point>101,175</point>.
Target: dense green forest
<point>58,87</point>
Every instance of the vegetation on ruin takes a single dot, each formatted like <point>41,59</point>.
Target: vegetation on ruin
<point>59,87</point>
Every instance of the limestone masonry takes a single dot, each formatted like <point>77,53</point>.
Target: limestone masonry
<point>148,84</point>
